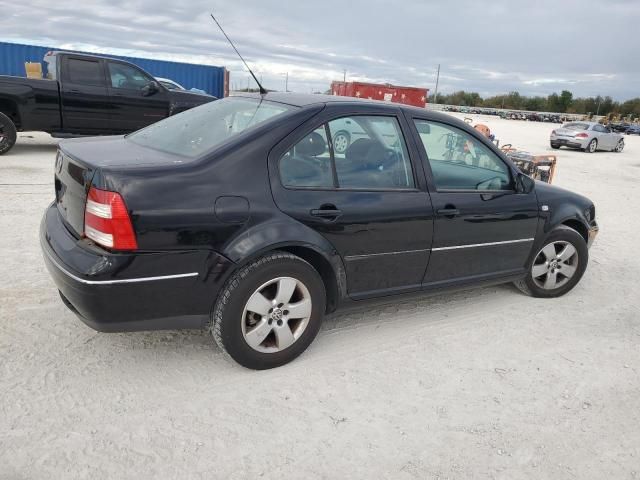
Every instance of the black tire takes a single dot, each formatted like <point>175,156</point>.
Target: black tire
<point>8,134</point>
<point>227,321</point>
<point>338,146</point>
<point>555,146</point>
<point>590,149</point>
<point>561,233</point>
<point>619,146</point>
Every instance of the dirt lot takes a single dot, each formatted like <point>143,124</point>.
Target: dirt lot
<point>481,384</point>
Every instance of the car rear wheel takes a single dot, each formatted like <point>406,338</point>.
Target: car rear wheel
<point>341,141</point>
<point>555,146</point>
<point>558,266</point>
<point>270,311</point>
<point>592,147</point>
<point>8,134</point>
<point>619,146</point>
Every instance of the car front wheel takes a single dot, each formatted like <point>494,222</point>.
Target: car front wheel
<point>619,146</point>
<point>555,146</point>
<point>558,266</point>
<point>269,311</point>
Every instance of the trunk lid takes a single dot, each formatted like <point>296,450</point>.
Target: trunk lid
<point>566,132</point>
<point>72,181</point>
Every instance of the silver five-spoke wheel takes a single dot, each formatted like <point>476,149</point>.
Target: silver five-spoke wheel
<point>276,315</point>
<point>554,265</point>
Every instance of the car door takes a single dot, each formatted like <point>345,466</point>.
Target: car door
<point>133,106</point>
<point>84,99</point>
<point>483,227</point>
<point>368,202</point>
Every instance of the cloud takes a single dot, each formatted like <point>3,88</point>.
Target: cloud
<point>490,47</point>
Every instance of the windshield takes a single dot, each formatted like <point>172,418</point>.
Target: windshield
<point>200,129</point>
<point>576,126</point>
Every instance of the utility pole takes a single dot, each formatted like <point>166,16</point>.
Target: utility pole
<point>435,97</point>
<point>344,75</point>
<point>598,109</point>
<point>286,83</point>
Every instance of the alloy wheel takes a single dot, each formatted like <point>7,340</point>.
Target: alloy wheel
<point>592,146</point>
<point>620,146</point>
<point>555,265</point>
<point>276,315</point>
<point>340,143</point>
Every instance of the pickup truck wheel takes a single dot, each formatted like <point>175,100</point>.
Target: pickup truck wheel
<point>8,134</point>
<point>558,266</point>
<point>270,311</point>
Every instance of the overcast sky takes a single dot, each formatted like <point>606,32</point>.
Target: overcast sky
<point>534,46</point>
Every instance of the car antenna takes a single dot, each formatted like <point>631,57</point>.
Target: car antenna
<point>262,89</point>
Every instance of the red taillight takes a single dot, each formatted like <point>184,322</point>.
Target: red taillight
<point>582,135</point>
<point>107,222</point>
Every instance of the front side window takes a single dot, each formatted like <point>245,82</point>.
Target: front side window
<point>200,129</point>
<point>126,76</point>
<point>85,72</point>
<point>461,162</point>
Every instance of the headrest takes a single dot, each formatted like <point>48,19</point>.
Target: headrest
<point>311,145</point>
<point>359,148</point>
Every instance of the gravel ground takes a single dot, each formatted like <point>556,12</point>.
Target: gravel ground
<point>486,383</point>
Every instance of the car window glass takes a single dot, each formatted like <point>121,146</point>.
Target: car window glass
<point>308,162</point>
<point>85,72</point>
<point>576,126</point>
<point>198,130</point>
<point>370,152</point>
<point>126,76</point>
<point>461,162</point>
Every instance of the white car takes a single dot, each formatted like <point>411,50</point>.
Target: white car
<point>172,85</point>
<point>587,136</point>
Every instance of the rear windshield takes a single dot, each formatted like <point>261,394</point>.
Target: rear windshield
<point>200,129</point>
<point>576,126</point>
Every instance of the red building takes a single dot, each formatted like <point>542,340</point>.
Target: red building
<point>387,93</point>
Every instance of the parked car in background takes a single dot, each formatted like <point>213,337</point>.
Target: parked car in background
<point>86,95</point>
<point>587,136</point>
<point>619,127</point>
<point>173,85</point>
<point>240,217</point>
<point>633,130</point>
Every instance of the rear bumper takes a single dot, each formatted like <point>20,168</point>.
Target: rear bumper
<point>113,292</point>
<point>571,143</point>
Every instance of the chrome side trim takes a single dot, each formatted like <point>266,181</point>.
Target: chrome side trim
<point>114,282</point>
<point>358,257</point>
<point>490,244</point>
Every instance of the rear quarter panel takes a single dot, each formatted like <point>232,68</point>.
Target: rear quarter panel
<point>37,102</point>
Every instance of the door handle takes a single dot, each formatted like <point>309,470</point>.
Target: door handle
<point>329,212</point>
<point>448,212</point>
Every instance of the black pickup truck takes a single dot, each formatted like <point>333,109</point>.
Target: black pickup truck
<point>86,95</point>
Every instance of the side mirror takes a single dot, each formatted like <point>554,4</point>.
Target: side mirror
<point>524,183</point>
<point>150,88</point>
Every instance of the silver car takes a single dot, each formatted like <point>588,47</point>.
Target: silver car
<point>587,136</point>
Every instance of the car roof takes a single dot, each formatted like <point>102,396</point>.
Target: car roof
<point>307,99</point>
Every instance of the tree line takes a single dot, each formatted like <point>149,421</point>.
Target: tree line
<point>558,103</point>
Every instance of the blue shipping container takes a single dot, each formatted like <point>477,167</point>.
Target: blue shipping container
<point>205,77</point>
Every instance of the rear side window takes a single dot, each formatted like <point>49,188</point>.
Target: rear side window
<point>359,152</point>
<point>308,163</point>
<point>85,72</point>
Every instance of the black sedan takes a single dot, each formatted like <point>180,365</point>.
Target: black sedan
<point>239,216</point>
